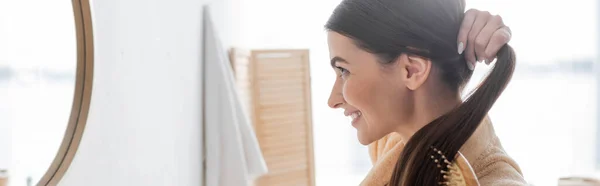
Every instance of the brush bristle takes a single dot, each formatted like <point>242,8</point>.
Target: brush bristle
<point>454,176</point>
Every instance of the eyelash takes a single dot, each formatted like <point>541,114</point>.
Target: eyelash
<point>343,71</point>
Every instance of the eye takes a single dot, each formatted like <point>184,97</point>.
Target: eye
<point>343,71</point>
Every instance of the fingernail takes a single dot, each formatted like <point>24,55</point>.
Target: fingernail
<point>461,47</point>
<point>479,60</point>
<point>470,65</point>
<point>487,61</point>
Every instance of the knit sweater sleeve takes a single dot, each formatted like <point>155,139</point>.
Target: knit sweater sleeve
<point>495,168</point>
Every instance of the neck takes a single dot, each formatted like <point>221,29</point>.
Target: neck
<point>430,106</point>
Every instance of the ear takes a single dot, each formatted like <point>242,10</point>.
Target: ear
<point>415,70</point>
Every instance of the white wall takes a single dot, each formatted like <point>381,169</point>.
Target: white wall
<point>144,125</point>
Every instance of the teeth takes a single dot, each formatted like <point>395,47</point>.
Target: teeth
<point>355,115</point>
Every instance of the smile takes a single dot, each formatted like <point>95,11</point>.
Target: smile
<point>355,116</point>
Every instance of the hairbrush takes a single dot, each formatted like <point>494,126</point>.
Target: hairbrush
<point>456,173</point>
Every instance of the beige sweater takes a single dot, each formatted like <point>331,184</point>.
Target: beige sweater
<point>483,150</point>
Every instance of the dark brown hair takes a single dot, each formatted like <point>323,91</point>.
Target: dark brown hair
<point>428,28</point>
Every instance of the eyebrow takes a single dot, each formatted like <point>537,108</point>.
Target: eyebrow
<point>337,59</point>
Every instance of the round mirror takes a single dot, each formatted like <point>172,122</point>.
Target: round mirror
<point>43,90</point>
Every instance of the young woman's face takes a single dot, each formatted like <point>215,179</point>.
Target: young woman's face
<point>372,94</point>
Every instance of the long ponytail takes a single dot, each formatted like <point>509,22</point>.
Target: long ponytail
<point>449,132</point>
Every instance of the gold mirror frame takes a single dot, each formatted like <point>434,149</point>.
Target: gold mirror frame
<point>81,98</point>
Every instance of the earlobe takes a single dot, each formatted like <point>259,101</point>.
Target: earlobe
<point>417,70</point>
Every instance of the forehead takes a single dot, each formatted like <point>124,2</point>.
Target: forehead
<point>340,45</point>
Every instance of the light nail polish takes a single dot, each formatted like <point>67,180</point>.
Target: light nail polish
<point>461,47</point>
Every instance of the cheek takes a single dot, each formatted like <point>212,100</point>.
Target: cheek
<point>383,104</point>
<point>373,98</point>
<point>356,93</point>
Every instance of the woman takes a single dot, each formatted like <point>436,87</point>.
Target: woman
<point>400,74</point>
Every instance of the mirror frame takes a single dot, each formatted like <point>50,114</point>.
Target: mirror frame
<point>81,98</point>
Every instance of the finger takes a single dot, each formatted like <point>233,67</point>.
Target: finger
<point>484,37</point>
<point>480,21</point>
<point>465,27</point>
<point>502,36</point>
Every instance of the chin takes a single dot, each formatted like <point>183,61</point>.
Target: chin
<point>364,138</point>
<point>362,133</point>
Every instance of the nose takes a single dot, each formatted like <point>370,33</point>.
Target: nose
<point>336,98</point>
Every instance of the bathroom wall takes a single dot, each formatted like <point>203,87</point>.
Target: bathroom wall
<point>144,125</point>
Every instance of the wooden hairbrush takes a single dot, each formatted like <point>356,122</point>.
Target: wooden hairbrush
<point>456,173</point>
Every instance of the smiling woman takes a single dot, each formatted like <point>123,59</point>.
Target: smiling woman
<point>46,81</point>
<point>399,72</point>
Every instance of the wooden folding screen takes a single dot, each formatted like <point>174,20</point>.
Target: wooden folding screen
<point>274,86</point>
